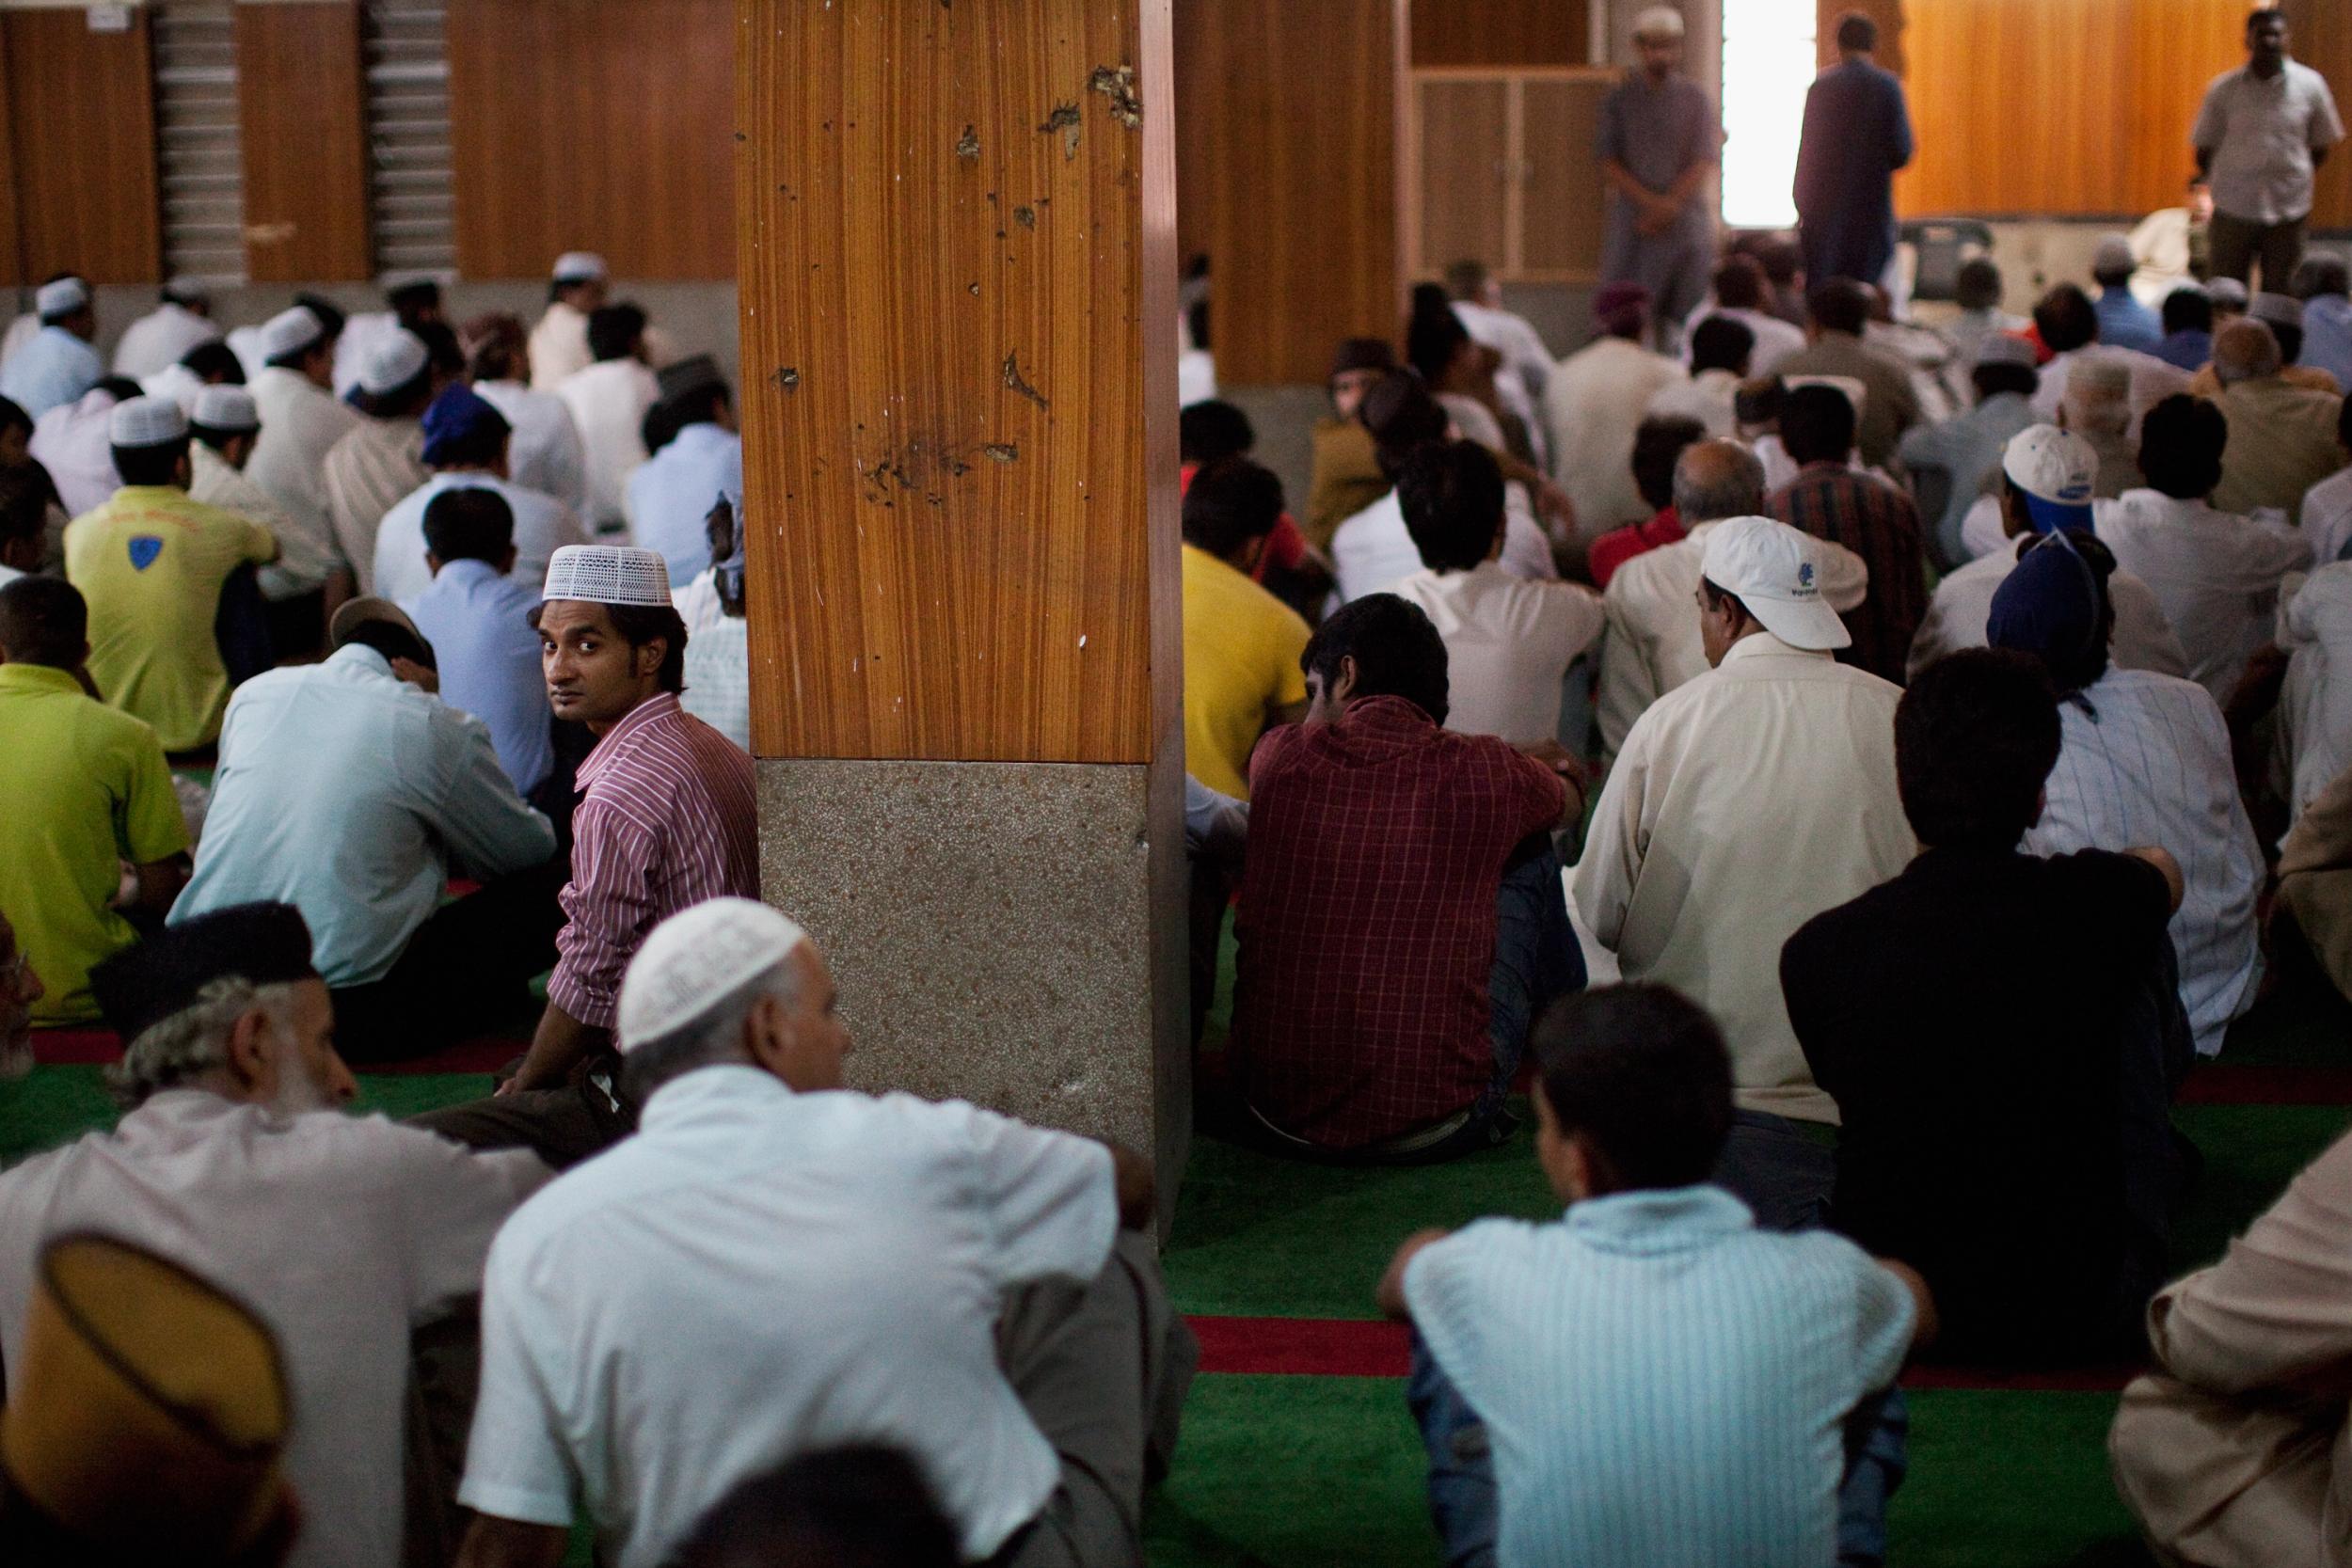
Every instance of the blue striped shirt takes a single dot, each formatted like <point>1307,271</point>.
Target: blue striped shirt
<point>1661,1381</point>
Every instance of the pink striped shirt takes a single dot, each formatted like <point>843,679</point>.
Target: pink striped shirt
<point>666,820</point>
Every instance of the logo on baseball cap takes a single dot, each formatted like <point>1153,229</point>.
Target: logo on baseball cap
<point>1771,567</point>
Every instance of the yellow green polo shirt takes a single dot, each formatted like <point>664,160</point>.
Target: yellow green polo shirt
<point>86,789</point>
<point>151,562</point>
<point>1241,661</point>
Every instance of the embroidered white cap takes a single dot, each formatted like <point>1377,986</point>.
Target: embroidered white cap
<point>392,362</point>
<point>694,961</point>
<point>223,406</point>
<point>580,266</point>
<point>146,423</point>
<point>187,289</point>
<point>1774,570</point>
<point>607,574</point>
<point>60,296</point>
<point>291,331</point>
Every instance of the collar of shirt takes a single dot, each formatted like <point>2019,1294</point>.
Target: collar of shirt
<point>358,658</point>
<point>618,741</point>
<point>38,677</point>
<point>463,574</point>
<point>2154,503</point>
<point>1659,1219</point>
<point>1375,728</point>
<point>1763,645</point>
<point>701,436</point>
<point>708,1094</point>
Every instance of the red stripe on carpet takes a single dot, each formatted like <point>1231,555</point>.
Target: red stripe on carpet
<point>1350,1347</point>
<point>2219,1083</point>
<point>96,1047</point>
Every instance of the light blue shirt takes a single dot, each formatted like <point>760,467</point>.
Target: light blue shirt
<point>2327,336</point>
<point>477,622</point>
<point>673,491</point>
<point>543,525</point>
<point>346,792</point>
<point>54,368</point>
<point>1966,450</point>
<point>1661,1381</point>
<point>2125,323</point>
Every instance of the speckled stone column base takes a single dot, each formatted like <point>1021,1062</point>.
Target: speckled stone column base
<point>1007,933</point>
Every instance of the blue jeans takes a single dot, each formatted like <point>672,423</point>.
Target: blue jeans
<point>1537,961</point>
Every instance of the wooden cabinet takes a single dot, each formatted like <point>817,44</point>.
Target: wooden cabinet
<point>1500,167</point>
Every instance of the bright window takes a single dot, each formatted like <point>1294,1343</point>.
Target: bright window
<point>1767,65</point>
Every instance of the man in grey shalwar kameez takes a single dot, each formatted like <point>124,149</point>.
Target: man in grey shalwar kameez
<point>1659,141</point>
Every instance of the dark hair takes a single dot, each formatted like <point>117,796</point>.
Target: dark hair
<point>660,425</point>
<point>330,315</point>
<point>216,438</point>
<point>393,641</point>
<point>1816,424</point>
<point>2066,319</point>
<point>1433,333</point>
<point>1721,343</point>
<point>2322,271</point>
<point>2266,14</point>
<point>614,331</point>
<point>1212,429</point>
<point>499,349</point>
<point>1976,286</point>
<point>1976,737</point>
<point>1397,652</point>
<point>1451,493</point>
<point>412,300</point>
<point>468,522</point>
<point>2181,441</point>
<point>156,464</point>
<point>44,621</point>
<point>1839,305</point>
<point>2344,427</point>
<point>1400,415</point>
<point>1740,282</point>
<point>215,362</point>
<point>1780,258</point>
<point>2114,277</point>
<point>119,388</point>
<point>25,492</point>
<point>478,448</point>
<point>1231,503</point>
<point>1467,279</point>
<point>441,350</point>
<point>1659,443</point>
<point>2289,337</point>
<point>864,1505</point>
<point>13,416</point>
<point>2000,376</point>
<point>1640,1073</point>
<point>2188,309</point>
<point>1857,32</point>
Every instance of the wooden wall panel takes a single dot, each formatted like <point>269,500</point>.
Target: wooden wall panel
<point>1563,201</point>
<point>1286,124</point>
<point>2321,37</point>
<point>1500,32</point>
<point>81,110</point>
<point>958,276</point>
<point>300,106</point>
<point>11,271</point>
<point>603,127</point>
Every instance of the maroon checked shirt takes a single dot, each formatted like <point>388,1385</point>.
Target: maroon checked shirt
<point>1367,918</point>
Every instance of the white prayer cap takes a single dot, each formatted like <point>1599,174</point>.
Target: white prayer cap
<point>694,961</point>
<point>2113,255</point>
<point>1770,567</point>
<point>226,407</point>
<point>291,331</point>
<point>392,362</point>
<point>2005,348</point>
<point>61,297</point>
<point>146,423</point>
<point>187,289</point>
<point>607,574</point>
<point>1658,22</point>
<point>580,266</point>
<point>2278,309</point>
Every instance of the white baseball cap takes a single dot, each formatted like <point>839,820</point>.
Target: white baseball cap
<point>580,266</point>
<point>2056,469</point>
<point>1774,570</point>
<point>694,959</point>
<point>60,296</point>
<point>607,574</point>
<point>392,362</point>
<point>291,331</point>
<point>146,423</point>
<point>223,407</point>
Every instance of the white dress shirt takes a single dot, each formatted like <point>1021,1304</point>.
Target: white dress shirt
<point>346,792</point>
<point>544,452</point>
<point>487,653</point>
<point>1962,605</point>
<point>343,1233</point>
<point>719,678</point>
<point>72,442</point>
<point>609,400</point>
<point>2315,709</point>
<point>671,493</point>
<point>1526,369</point>
<point>301,422</point>
<point>559,346</point>
<point>2327,521</point>
<point>1775,340</point>
<point>1595,403</point>
<point>1651,644</point>
<point>541,527</point>
<point>759,1274</point>
<point>1508,644</point>
<point>22,328</point>
<point>2216,573</point>
<point>2154,769</point>
<point>1707,397</point>
<point>300,566</point>
<point>53,368</point>
<point>2152,381</point>
<point>160,339</point>
<point>1742,805</point>
<point>1372,551</point>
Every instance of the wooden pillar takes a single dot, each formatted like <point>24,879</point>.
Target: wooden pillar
<point>959,324</point>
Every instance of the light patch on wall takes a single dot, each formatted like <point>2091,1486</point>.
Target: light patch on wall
<point>1767,65</point>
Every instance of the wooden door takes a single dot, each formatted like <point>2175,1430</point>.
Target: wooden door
<point>1462,172</point>
<point>1561,197</point>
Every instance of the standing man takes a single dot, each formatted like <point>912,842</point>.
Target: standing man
<point>558,344</point>
<point>1659,140</point>
<point>1857,133</point>
<point>2265,128</point>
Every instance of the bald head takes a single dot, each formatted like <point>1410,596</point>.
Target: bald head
<point>1715,479</point>
<point>2245,351</point>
